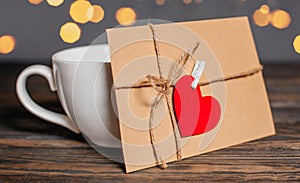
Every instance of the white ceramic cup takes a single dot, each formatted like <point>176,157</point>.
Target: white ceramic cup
<point>82,78</point>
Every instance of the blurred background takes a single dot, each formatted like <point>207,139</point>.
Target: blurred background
<point>32,30</point>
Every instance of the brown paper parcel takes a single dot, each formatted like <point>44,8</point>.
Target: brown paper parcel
<point>227,47</point>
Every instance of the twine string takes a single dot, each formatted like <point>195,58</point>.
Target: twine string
<point>156,48</point>
<point>242,74</point>
<point>163,85</point>
<point>185,56</point>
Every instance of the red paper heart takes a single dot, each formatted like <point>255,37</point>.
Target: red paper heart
<point>195,114</point>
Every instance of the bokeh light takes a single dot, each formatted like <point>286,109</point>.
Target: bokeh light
<point>79,11</point>
<point>280,19</point>
<point>35,2</point>
<point>265,9</point>
<point>160,2</point>
<point>7,44</point>
<point>70,32</point>
<point>261,19</point>
<point>95,13</point>
<point>187,1</point>
<point>296,44</point>
<point>55,2</point>
<point>126,16</point>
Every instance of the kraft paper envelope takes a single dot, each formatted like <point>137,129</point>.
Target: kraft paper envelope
<point>232,81</point>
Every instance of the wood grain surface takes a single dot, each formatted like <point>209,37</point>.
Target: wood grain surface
<point>34,150</point>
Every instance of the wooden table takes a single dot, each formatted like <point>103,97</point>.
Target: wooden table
<point>34,150</point>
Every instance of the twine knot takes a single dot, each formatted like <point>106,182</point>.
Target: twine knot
<point>160,84</point>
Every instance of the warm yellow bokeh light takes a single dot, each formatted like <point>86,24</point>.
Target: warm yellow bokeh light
<point>187,1</point>
<point>7,44</point>
<point>126,16</point>
<point>261,19</point>
<point>296,44</point>
<point>70,32</point>
<point>55,2</point>
<point>160,2</point>
<point>79,11</point>
<point>35,2</point>
<point>265,9</point>
<point>280,19</point>
<point>95,13</point>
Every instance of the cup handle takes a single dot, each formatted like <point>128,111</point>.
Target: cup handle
<point>37,110</point>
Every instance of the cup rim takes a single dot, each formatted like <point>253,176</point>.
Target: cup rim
<point>58,56</point>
